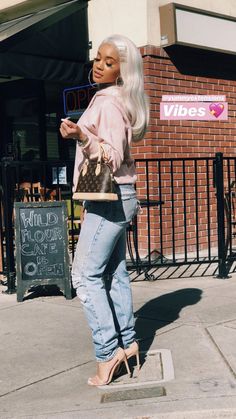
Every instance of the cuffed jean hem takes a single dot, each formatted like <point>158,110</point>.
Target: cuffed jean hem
<point>126,346</point>
<point>103,358</point>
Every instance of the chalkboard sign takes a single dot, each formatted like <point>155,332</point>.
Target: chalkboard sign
<point>41,246</point>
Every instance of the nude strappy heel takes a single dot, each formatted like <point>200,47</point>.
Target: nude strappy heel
<point>133,350</point>
<point>118,359</point>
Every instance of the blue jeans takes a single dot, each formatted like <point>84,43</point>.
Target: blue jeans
<point>99,272</point>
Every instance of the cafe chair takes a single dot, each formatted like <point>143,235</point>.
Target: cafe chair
<point>75,217</point>
<point>28,192</point>
<point>51,194</point>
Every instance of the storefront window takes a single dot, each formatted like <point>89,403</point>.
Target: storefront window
<point>23,127</point>
<point>52,137</point>
<point>25,134</point>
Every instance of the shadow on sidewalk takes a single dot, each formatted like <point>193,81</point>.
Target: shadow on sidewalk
<point>160,312</point>
<point>45,291</point>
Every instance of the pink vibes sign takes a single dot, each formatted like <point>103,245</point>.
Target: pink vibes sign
<point>188,110</point>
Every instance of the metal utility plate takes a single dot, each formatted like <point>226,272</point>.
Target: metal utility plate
<point>133,394</point>
<point>156,368</point>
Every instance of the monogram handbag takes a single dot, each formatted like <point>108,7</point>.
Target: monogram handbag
<point>96,182</point>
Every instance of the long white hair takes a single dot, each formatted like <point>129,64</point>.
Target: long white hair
<point>131,88</point>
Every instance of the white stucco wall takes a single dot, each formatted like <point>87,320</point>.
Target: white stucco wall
<point>126,17</point>
<point>9,3</point>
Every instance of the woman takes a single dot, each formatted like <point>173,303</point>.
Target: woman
<point>116,115</point>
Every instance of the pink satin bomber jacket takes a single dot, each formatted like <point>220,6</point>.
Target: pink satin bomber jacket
<point>105,121</point>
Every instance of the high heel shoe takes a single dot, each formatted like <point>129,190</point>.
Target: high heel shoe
<point>109,367</point>
<point>132,350</point>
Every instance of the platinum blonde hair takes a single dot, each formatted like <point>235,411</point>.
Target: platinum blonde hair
<point>131,88</point>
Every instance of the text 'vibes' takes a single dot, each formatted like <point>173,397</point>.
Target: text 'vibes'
<point>194,111</point>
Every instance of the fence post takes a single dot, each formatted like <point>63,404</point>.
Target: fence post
<point>219,184</point>
<point>9,236</point>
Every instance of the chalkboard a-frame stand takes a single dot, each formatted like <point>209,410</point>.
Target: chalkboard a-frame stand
<point>42,256</point>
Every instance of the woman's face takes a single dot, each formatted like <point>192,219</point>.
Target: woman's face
<point>106,65</point>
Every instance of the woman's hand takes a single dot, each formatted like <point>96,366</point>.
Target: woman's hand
<point>69,129</point>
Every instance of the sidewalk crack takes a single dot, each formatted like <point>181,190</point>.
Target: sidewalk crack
<point>45,378</point>
<point>221,353</point>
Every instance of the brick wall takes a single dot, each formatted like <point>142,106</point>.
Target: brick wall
<point>184,138</point>
<point>178,139</point>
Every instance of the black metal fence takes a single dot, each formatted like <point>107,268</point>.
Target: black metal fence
<point>186,210</point>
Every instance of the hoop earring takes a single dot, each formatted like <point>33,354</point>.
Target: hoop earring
<point>89,78</point>
<point>119,81</point>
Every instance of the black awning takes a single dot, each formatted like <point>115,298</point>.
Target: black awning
<point>202,62</point>
<point>48,45</point>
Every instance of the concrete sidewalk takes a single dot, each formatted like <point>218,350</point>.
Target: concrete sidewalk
<point>187,333</point>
